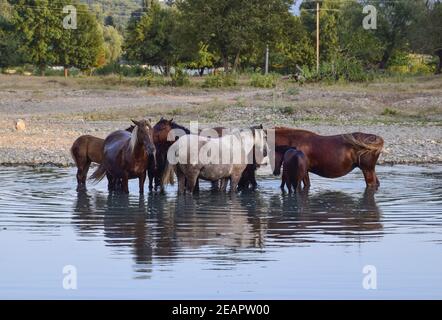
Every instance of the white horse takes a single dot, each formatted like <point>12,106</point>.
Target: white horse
<point>213,159</point>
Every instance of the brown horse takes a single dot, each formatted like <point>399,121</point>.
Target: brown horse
<point>332,156</point>
<point>295,166</point>
<point>126,155</point>
<point>162,144</point>
<point>85,150</point>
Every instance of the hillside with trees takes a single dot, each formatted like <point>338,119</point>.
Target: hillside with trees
<point>230,34</point>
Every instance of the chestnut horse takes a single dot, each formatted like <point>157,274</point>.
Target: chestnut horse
<point>162,144</point>
<point>85,150</point>
<point>332,156</point>
<point>126,155</point>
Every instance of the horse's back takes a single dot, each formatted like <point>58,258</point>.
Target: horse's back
<point>88,147</point>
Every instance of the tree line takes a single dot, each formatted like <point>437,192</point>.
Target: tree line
<point>233,34</point>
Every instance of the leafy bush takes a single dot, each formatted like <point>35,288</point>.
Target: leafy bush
<point>288,110</point>
<point>390,112</point>
<point>340,69</point>
<point>150,79</point>
<point>180,78</point>
<point>263,81</point>
<point>219,80</point>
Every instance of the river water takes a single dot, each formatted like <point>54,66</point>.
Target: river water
<point>336,241</point>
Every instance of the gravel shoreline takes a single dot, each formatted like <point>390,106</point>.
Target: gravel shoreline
<point>57,112</point>
<point>49,143</point>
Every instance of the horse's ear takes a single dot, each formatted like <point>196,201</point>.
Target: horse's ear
<point>135,122</point>
<point>261,126</point>
<point>171,120</point>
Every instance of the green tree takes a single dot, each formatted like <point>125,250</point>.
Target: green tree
<point>151,39</point>
<point>394,23</point>
<point>9,44</point>
<point>203,59</point>
<point>328,28</point>
<point>83,47</point>
<point>113,42</point>
<point>39,27</point>
<point>354,40</point>
<point>232,28</point>
<point>426,36</point>
<point>294,48</point>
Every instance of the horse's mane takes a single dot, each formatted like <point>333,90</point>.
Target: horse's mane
<point>177,126</point>
<point>174,125</point>
<point>133,139</point>
<point>364,143</point>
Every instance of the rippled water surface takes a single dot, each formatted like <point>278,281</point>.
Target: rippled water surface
<point>252,245</point>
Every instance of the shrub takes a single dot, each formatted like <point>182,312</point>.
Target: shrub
<point>339,69</point>
<point>288,110</point>
<point>389,112</point>
<point>180,78</point>
<point>263,81</point>
<point>219,80</point>
<point>150,79</point>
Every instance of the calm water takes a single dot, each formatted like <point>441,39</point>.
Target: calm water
<point>250,245</point>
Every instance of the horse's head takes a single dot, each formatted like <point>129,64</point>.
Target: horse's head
<point>167,132</point>
<point>144,135</point>
<point>161,130</point>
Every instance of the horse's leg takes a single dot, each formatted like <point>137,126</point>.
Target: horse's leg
<point>141,181</point>
<point>282,183</point>
<point>253,180</point>
<point>234,180</point>
<point>85,171</point>
<point>224,182</point>
<point>125,183</point>
<point>80,184</point>
<point>111,184</point>
<point>181,181</point>
<point>371,179</point>
<point>192,183</point>
<point>306,180</point>
<point>151,176</point>
<point>82,170</point>
<point>196,187</point>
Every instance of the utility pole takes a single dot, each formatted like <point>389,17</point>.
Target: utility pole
<point>267,60</point>
<point>317,36</point>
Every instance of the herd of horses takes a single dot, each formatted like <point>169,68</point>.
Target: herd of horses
<point>143,150</point>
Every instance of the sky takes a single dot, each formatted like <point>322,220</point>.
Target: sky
<point>295,8</point>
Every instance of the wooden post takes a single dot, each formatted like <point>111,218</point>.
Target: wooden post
<point>317,37</point>
<point>267,60</point>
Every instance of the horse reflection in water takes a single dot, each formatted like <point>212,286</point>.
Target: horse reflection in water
<point>160,229</point>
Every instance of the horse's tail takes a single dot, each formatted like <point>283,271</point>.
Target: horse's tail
<point>168,175</point>
<point>99,174</point>
<point>365,143</point>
